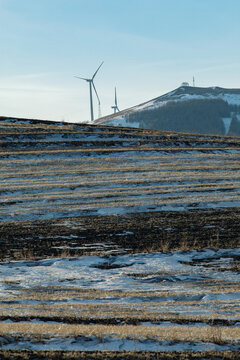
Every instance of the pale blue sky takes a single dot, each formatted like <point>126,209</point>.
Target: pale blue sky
<point>148,47</point>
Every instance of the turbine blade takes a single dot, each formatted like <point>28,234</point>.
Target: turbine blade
<point>96,92</point>
<point>97,71</point>
<point>78,77</point>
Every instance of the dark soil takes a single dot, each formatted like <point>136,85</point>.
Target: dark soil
<point>120,320</point>
<point>138,232</point>
<point>116,355</point>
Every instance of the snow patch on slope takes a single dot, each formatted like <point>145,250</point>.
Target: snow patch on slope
<point>231,99</point>
<point>227,123</point>
<point>122,121</point>
<point>150,105</point>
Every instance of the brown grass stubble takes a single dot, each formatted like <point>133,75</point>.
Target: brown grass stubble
<point>217,335</point>
<point>123,313</point>
<point>131,192</point>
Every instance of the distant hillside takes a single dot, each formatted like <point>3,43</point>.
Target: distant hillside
<point>186,109</point>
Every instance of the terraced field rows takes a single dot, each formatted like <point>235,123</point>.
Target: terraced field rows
<point>120,241</point>
<point>56,170</point>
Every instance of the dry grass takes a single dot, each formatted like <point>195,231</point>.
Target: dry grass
<point>49,293</point>
<point>64,206</point>
<point>77,184</point>
<point>114,150</point>
<point>221,334</point>
<point>109,313</point>
<point>154,172</point>
<point>55,301</point>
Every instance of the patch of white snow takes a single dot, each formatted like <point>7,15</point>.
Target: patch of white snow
<point>227,123</point>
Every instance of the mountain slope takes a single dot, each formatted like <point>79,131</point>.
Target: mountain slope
<point>211,110</point>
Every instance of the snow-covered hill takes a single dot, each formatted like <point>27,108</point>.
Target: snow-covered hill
<point>211,110</point>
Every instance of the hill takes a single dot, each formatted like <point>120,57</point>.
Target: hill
<point>117,243</point>
<point>211,110</point>
<point>54,171</point>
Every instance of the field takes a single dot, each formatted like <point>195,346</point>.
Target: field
<point>118,243</point>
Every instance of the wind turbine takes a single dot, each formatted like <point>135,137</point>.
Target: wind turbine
<point>115,107</point>
<point>91,84</point>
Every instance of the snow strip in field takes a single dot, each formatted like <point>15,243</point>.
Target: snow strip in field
<point>107,343</point>
<point>145,272</point>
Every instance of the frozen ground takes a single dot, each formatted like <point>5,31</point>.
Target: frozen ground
<point>116,299</point>
<point>91,343</point>
<point>125,272</point>
<point>53,171</point>
<point>158,290</point>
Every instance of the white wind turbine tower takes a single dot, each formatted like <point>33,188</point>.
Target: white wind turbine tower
<point>91,84</point>
<point>115,107</point>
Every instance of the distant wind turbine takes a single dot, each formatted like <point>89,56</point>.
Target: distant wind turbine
<point>115,107</point>
<point>91,84</point>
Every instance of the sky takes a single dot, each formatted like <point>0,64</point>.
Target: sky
<point>149,47</point>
